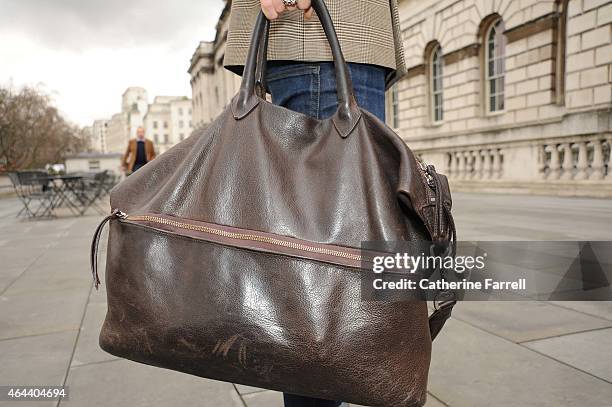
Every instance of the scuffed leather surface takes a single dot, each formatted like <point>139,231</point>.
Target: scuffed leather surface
<point>263,320</point>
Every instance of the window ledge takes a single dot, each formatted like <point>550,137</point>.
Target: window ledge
<point>495,114</point>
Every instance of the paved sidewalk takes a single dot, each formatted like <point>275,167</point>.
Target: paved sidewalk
<point>490,354</point>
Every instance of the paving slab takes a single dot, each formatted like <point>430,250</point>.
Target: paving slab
<point>35,361</point>
<point>8,275</point>
<point>88,349</point>
<point>242,389</point>
<point>126,383</point>
<point>531,217</point>
<point>431,402</point>
<point>35,313</point>
<point>589,351</point>
<point>600,309</point>
<point>474,364</point>
<point>17,256</point>
<point>521,321</point>
<point>43,278</point>
<point>267,398</point>
<point>473,368</point>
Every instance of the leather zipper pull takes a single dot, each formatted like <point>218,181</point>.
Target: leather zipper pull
<point>96,241</point>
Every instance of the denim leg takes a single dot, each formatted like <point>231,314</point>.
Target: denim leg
<point>291,400</point>
<point>295,86</point>
<point>310,87</point>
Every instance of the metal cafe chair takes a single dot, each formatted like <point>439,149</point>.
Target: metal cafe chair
<point>32,188</point>
<point>94,188</point>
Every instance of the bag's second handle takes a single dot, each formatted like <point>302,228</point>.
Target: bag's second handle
<point>347,115</point>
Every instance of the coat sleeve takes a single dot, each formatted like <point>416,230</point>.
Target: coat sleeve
<point>153,155</point>
<point>124,160</point>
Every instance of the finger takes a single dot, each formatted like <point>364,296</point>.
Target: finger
<point>303,4</point>
<point>279,6</point>
<point>308,13</point>
<point>270,12</point>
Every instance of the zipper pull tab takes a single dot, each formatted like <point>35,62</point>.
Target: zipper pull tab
<point>119,214</point>
<point>115,214</point>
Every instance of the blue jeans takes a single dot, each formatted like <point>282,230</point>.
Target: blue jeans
<point>310,88</point>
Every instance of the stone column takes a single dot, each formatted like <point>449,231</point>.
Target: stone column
<point>555,168</point>
<point>542,160</point>
<point>471,158</point>
<point>497,164</point>
<point>583,163</point>
<point>568,162</point>
<point>479,165</point>
<point>460,165</point>
<point>486,166</point>
<point>598,163</point>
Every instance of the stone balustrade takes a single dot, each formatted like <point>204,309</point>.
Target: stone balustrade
<point>586,158</point>
<point>576,165</point>
<point>483,163</point>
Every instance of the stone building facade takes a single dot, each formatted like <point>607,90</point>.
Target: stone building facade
<point>99,131</point>
<point>168,121</point>
<point>500,95</point>
<point>117,133</point>
<point>212,86</point>
<point>122,126</point>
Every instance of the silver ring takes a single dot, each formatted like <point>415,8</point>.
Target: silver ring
<point>290,3</point>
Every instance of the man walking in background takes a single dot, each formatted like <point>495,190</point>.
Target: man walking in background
<point>140,151</point>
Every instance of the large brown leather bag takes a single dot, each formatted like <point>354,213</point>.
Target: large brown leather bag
<point>235,254</point>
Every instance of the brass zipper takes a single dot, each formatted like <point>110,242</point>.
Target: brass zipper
<point>238,236</point>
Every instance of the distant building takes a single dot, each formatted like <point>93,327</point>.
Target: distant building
<point>168,121</point>
<point>99,131</point>
<point>94,162</point>
<point>135,102</point>
<point>509,96</point>
<point>117,133</point>
<point>212,86</point>
<point>503,96</point>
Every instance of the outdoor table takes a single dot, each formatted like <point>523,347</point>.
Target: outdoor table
<point>66,188</point>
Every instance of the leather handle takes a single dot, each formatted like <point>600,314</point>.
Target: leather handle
<point>262,59</point>
<point>348,113</point>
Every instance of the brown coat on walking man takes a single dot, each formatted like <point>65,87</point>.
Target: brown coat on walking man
<point>140,150</point>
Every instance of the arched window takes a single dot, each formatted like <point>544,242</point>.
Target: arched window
<point>495,68</point>
<point>436,85</point>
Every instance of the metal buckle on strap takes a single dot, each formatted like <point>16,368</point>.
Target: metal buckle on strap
<point>443,298</point>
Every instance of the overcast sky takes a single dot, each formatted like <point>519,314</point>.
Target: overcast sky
<point>85,53</point>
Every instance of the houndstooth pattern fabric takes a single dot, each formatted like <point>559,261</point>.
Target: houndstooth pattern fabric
<point>368,31</point>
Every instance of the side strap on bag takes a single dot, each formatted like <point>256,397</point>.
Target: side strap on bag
<point>96,242</point>
<point>440,315</point>
<point>446,232</point>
